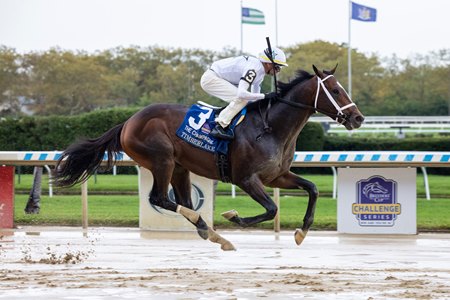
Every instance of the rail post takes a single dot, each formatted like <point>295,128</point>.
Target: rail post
<point>6,196</point>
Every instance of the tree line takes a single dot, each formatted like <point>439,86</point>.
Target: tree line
<point>62,82</point>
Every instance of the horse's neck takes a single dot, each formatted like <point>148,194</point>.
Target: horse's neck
<point>287,121</point>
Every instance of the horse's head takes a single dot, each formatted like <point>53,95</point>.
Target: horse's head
<point>332,100</point>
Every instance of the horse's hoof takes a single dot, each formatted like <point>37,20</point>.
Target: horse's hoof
<point>32,211</point>
<point>230,214</point>
<point>203,233</point>
<point>299,236</point>
<point>227,247</point>
<point>216,238</point>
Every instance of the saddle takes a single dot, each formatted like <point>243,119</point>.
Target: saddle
<point>195,130</point>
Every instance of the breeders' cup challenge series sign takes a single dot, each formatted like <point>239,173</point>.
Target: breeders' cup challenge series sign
<point>377,200</point>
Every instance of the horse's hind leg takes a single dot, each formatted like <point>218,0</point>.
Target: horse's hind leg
<point>181,184</point>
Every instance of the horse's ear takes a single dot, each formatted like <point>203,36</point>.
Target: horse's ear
<point>334,69</point>
<point>318,73</point>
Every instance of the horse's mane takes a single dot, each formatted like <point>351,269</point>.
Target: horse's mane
<point>285,87</point>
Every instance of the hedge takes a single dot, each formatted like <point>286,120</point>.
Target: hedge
<point>57,132</point>
<point>333,143</point>
<point>391,144</point>
<point>311,138</point>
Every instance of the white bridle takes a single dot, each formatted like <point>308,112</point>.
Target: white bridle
<point>335,104</point>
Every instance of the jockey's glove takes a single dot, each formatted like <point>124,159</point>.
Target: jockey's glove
<point>271,95</point>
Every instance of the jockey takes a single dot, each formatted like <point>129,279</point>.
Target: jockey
<point>230,80</point>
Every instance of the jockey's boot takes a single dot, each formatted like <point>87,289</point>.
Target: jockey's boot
<point>221,133</point>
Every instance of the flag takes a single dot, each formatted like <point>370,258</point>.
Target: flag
<point>252,16</point>
<point>363,13</point>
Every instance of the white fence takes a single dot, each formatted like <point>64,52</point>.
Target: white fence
<point>398,125</point>
<point>301,159</point>
<point>332,159</point>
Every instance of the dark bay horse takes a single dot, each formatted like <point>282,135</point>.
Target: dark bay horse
<point>258,158</point>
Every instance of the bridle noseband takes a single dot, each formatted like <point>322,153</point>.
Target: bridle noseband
<point>339,116</point>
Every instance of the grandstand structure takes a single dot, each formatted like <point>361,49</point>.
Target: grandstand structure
<point>397,125</point>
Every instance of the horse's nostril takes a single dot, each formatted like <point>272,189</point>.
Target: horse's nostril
<point>359,119</point>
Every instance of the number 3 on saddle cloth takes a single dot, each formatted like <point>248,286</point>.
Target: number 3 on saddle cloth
<point>195,129</point>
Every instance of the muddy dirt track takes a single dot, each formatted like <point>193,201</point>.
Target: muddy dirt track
<point>125,263</point>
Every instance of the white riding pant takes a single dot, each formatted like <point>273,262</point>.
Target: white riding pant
<point>222,89</point>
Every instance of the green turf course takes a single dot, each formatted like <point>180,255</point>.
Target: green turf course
<point>113,201</point>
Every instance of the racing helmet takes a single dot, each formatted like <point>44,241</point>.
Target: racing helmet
<point>278,56</point>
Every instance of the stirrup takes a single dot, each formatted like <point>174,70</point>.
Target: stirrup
<point>221,133</point>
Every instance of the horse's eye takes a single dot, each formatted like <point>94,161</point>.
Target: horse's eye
<point>335,91</point>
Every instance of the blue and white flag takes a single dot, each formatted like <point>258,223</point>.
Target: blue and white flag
<point>252,16</point>
<point>363,13</point>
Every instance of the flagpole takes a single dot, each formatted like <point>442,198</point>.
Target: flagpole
<point>242,30</point>
<point>349,49</point>
<point>276,23</point>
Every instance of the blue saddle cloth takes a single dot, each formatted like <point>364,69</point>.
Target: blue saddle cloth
<point>198,123</point>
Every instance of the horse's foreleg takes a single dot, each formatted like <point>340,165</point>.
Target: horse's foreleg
<point>255,189</point>
<point>292,181</point>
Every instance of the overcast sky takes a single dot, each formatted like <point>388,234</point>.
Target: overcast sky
<point>403,27</point>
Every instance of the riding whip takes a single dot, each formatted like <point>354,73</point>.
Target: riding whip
<point>269,55</point>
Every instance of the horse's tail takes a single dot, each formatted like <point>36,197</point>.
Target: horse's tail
<point>80,160</point>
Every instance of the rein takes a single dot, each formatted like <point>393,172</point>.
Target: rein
<point>265,118</point>
<point>339,117</point>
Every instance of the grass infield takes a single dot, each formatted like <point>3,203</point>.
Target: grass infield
<point>113,201</point>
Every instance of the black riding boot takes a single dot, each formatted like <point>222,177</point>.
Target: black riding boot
<point>221,133</point>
